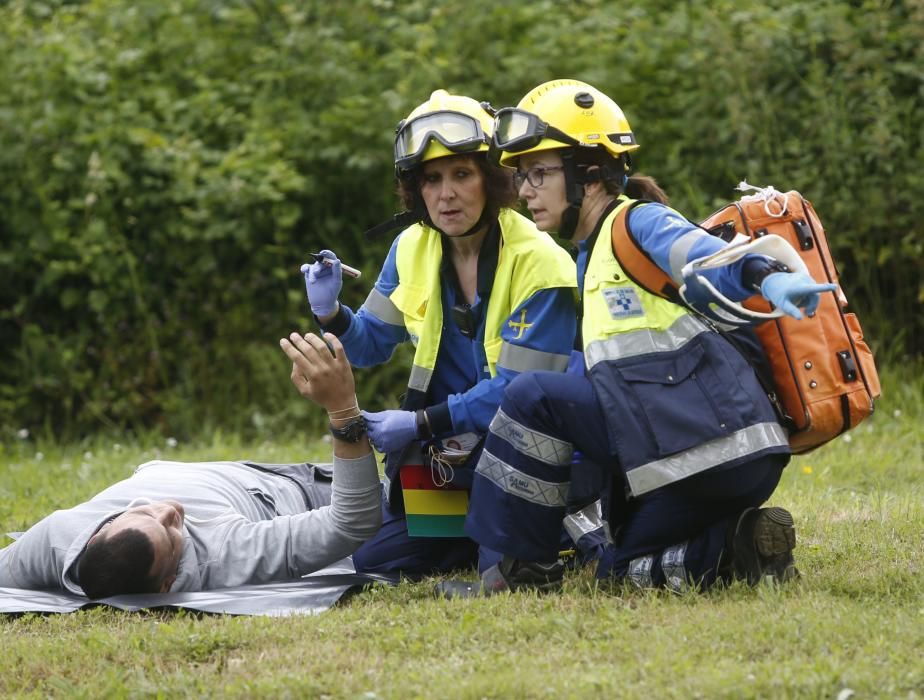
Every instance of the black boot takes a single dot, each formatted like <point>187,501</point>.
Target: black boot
<point>760,545</point>
<point>508,575</point>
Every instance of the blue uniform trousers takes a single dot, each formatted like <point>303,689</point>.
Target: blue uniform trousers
<point>393,550</point>
<point>671,536</point>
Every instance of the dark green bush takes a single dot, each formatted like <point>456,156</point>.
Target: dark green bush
<point>166,165</point>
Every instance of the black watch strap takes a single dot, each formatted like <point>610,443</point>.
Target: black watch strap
<point>758,276</point>
<point>352,431</point>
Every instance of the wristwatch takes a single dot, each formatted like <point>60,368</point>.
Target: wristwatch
<point>763,273</point>
<point>350,432</point>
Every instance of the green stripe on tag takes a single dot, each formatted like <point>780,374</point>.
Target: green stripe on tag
<point>435,525</point>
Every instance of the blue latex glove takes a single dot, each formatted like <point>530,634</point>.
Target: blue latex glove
<point>391,430</point>
<point>788,291</point>
<point>323,283</point>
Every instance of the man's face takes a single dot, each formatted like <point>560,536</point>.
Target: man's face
<point>162,523</point>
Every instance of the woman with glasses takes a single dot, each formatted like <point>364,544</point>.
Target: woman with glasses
<point>693,443</point>
<point>481,293</point>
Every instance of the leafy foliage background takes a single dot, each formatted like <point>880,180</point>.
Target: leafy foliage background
<point>166,164</point>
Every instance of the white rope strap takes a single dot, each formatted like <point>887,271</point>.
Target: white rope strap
<point>767,195</point>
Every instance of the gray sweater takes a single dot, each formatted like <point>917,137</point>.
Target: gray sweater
<point>242,525</point>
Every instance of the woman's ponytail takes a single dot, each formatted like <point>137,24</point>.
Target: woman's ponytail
<point>645,187</point>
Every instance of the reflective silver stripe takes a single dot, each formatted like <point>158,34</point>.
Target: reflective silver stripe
<point>522,359</point>
<point>387,486</point>
<point>680,250</point>
<point>588,519</point>
<point>639,572</point>
<point>675,574</point>
<point>516,483</point>
<point>383,308</point>
<point>531,443</point>
<point>609,533</point>
<point>702,457</point>
<point>643,342</point>
<point>420,378</point>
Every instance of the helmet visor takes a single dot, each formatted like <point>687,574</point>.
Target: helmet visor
<point>518,130</point>
<point>458,132</point>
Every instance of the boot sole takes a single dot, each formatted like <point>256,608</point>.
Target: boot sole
<point>775,532</point>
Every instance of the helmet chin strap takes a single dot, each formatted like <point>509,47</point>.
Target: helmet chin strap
<point>419,215</point>
<point>574,193</point>
<point>575,178</point>
<point>483,222</point>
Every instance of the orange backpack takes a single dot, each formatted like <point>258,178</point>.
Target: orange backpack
<point>823,372</point>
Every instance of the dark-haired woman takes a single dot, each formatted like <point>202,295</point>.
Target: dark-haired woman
<point>476,287</point>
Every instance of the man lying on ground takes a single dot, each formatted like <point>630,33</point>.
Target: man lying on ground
<point>176,526</point>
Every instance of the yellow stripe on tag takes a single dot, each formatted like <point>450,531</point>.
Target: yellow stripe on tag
<point>435,502</point>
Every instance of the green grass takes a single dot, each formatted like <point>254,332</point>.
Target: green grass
<point>854,621</point>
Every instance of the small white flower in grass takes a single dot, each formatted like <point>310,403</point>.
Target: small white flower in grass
<point>897,413</point>
<point>39,456</point>
<point>171,442</point>
<point>88,455</point>
<point>23,433</point>
<point>847,438</point>
<point>117,447</point>
<point>327,438</point>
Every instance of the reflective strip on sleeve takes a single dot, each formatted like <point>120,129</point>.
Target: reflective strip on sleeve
<point>675,574</point>
<point>587,520</point>
<point>514,482</point>
<point>539,446</point>
<point>643,342</point>
<point>741,443</point>
<point>523,359</point>
<point>680,250</point>
<point>639,572</point>
<point>420,378</point>
<point>383,308</point>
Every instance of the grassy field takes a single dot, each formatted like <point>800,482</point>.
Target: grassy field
<point>853,626</point>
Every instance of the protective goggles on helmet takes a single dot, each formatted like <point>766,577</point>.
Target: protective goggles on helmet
<point>458,132</point>
<point>518,130</point>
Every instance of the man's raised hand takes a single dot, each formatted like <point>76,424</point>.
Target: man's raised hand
<point>320,370</point>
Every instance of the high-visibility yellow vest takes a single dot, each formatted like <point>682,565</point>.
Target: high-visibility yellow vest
<point>613,303</point>
<point>528,261</point>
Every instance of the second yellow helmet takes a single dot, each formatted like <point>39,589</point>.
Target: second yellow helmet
<point>558,114</point>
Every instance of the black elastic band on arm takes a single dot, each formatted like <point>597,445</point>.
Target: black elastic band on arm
<point>338,325</point>
<point>440,419</point>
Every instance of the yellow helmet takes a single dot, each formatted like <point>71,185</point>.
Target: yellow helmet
<point>444,125</point>
<point>559,114</point>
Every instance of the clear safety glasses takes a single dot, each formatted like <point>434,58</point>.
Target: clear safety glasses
<point>458,132</point>
<point>518,130</point>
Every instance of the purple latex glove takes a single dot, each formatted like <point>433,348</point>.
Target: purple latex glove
<point>391,430</point>
<point>787,291</point>
<point>323,283</point>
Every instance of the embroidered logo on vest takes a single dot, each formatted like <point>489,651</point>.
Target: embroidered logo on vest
<point>623,302</point>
